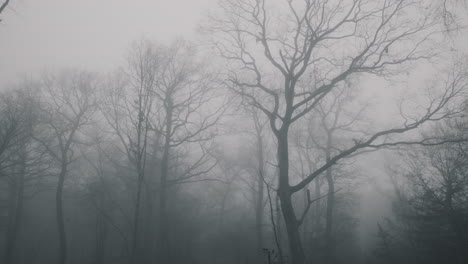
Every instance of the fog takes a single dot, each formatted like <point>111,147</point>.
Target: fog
<point>51,34</point>
<point>233,131</point>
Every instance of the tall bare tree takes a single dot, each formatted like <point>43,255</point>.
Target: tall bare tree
<point>260,183</point>
<point>287,56</point>
<point>184,90</point>
<point>335,120</point>
<point>68,104</point>
<point>128,110</point>
<point>20,158</point>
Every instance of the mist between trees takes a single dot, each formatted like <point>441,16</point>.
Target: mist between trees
<point>251,145</point>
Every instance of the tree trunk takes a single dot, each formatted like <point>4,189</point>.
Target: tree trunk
<point>296,251</point>
<point>330,206</point>
<point>454,223</point>
<point>101,238</point>
<point>317,226</point>
<point>329,218</point>
<point>260,194</point>
<point>59,211</point>
<point>279,231</point>
<point>136,217</point>
<point>16,211</point>
<point>163,225</point>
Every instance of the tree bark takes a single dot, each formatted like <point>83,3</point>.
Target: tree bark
<point>296,251</point>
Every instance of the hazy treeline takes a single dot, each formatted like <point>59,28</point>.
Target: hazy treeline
<point>250,145</point>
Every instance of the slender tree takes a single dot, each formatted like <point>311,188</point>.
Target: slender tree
<point>128,110</point>
<point>68,104</point>
<point>184,89</point>
<point>19,156</point>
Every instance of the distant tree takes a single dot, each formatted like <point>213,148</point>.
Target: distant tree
<point>184,89</point>
<point>22,162</point>
<point>259,193</point>
<point>68,104</point>
<point>335,119</point>
<point>128,108</point>
<point>102,189</point>
<point>430,206</point>
<point>13,126</point>
<point>332,122</point>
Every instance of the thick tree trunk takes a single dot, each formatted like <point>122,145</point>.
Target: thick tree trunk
<point>296,251</point>
<point>59,214</point>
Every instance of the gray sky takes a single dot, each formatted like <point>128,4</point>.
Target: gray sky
<point>47,34</point>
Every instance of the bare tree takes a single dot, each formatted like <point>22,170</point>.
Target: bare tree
<point>128,110</point>
<point>68,105</point>
<point>450,12</point>
<point>255,170</point>
<point>184,90</point>
<point>259,193</point>
<point>286,62</point>
<point>334,120</point>
<point>12,127</point>
<point>101,190</point>
<point>431,190</point>
<point>21,160</point>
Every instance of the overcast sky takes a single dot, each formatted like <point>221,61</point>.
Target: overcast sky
<point>93,34</point>
<point>38,35</point>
